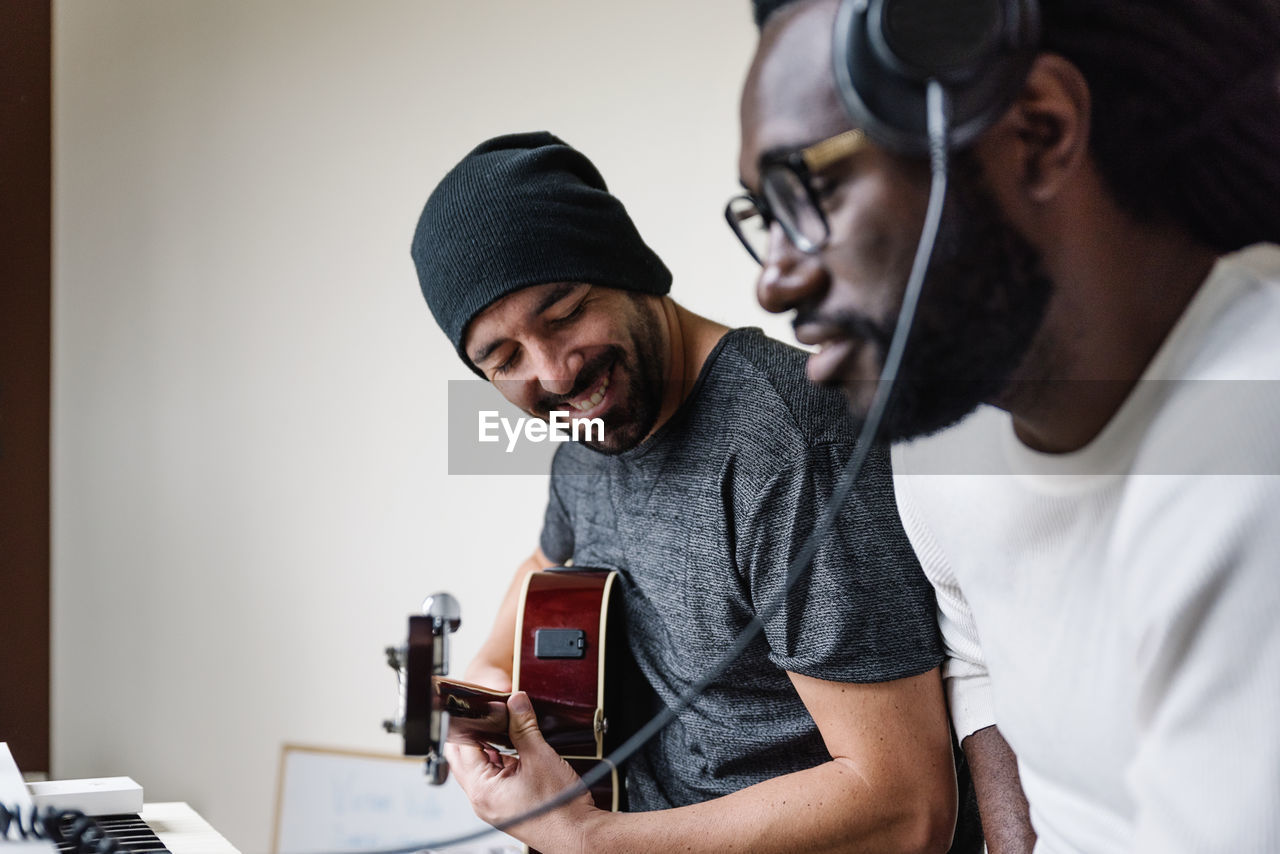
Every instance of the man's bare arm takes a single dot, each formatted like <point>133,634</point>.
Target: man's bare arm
<point>889,787</point>
<point>1006,819</point>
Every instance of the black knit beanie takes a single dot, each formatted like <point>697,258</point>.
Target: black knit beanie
<point>520,210</point>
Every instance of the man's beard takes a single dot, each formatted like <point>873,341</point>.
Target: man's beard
<point>983,301</point>
<point>638,380</point>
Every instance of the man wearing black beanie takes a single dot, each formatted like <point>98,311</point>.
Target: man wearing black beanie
<point>829,732</point>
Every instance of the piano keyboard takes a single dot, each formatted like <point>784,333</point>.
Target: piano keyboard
<point>173,828</point>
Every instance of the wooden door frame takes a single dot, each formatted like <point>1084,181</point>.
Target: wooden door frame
<point>26,241</point>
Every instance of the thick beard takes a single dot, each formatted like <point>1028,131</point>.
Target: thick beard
<point>641,371</point>
<point>984,299</point>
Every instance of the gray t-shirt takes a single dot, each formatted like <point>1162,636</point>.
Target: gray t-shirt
<point>702,520</point>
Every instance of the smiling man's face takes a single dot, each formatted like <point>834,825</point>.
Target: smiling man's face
<point>985,294</point>
<point>594,352</point>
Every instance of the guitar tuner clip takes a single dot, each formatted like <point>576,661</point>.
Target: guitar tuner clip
<point>423,722</point>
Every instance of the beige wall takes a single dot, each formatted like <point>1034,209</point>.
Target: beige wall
<point>250,491</point>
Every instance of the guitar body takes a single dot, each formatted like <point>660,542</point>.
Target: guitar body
<point>564,656</point>
<point>570,657</point>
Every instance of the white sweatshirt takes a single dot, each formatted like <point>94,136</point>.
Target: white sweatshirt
<point>1117,610</point>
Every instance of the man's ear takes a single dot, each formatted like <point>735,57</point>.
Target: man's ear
<point>1042,141</point>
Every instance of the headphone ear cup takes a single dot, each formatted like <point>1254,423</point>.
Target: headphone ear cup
<point>886,52</point>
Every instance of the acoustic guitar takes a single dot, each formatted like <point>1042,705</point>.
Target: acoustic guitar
<point>570,657</point>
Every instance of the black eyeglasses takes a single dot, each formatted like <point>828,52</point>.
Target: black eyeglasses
<point>789,198</point>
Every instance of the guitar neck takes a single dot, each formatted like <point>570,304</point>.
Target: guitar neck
<point>476,713</point>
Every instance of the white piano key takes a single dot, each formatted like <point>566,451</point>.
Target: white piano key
<point>183,831</point>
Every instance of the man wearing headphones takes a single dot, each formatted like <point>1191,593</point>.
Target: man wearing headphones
<point>1105,292</point>
<point>829,731</point>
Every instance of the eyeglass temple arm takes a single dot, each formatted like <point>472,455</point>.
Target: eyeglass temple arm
<point>822,154</point>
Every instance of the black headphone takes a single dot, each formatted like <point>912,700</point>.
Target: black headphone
<point>886,52</point>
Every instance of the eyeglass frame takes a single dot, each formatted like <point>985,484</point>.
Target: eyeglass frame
<point>802,163</point>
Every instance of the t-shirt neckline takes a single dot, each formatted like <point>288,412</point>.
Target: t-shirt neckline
<point>685,405</point>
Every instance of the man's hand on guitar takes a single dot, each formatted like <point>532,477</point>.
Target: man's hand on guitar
<point>501,787</point>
